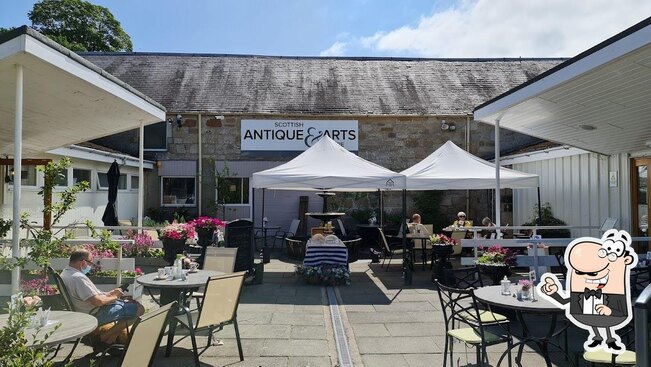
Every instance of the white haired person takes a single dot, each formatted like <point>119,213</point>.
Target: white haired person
<point>461,221</point>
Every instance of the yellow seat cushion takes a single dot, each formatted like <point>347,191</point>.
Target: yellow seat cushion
<point>486,316</point>
<point>468,335</point>
<point>601,356</point>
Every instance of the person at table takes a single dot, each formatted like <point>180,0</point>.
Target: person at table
<point>461,221</point>
<point>85,297</point>
<point>487,233</point>
<point>415,226</point>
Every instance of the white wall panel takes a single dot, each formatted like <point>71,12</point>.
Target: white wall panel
<point>577,187</point>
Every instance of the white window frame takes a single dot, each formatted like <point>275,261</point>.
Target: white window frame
<point>36,187</point>
<point>71,178</point>
<point>236,205</point>
<point>178,205</point>
<point>130,182</point>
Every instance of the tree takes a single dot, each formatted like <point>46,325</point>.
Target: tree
<point>79,25</point>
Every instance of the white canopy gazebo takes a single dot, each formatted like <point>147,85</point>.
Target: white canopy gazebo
<point>452,168</point>
<point>327,166</point>
<point>50,97</point>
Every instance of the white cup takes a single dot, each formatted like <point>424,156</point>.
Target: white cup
<point>162,273</point>
<point>194,266</point>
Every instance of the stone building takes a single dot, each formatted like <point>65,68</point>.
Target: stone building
<point>400,110</point>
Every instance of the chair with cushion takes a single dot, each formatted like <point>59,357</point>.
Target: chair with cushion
<point>463,322</point>
<point>627,358</point>
<point>282,235</point>
<point>218,308</point>
<point>146,334</point>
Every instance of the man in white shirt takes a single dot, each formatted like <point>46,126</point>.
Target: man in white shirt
<point>85,297</point>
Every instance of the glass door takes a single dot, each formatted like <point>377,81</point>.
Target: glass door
<point>640,196</point>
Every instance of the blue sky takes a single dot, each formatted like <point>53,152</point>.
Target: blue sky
<point>403,28</point>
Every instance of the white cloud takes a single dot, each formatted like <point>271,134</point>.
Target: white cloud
<point>511,28</point>
<point>337,49</point>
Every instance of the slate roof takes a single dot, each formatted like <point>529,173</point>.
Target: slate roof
<point>316,85</point>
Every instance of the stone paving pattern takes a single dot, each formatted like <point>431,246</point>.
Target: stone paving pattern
<point>285,322</point>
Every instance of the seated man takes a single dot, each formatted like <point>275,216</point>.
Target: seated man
<point>85,297</point>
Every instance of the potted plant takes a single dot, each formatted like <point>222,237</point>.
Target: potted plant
<point>47,293</point>
<point>496,262</point>
<point>331,275</point>
<point>205,228</point>
<point>442,244</point>
<point>174,237</point>
<point>525,289</point>
<point>148,258</point>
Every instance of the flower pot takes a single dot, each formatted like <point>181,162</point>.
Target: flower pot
<point>172,247</point>
<point>495,272</point>
<point>442,250</point>
<point>204,236</point>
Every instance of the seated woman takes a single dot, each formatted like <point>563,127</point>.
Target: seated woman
<point>461,221</point>
<point>486,233</point>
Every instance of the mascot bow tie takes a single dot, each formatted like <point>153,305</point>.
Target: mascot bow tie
<point>587,293</point>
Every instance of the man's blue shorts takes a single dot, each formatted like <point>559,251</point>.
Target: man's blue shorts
<point>117,310</point>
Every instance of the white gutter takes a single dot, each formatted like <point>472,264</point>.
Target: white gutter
<point>76,151</point>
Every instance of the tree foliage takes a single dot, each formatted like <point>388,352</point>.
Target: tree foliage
<point>79,25</point>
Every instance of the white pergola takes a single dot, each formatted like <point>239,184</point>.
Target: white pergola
<point>599,100</point>
<point>50,98</point>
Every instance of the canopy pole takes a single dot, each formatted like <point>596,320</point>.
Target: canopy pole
<point>381,207</point>
<point>498,198</point>
<point>141,174</point>
<point>18,169</point>
<point>406,263</point>
<point>263,190</point>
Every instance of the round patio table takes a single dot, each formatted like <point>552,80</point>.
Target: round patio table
<point>176,289</point>
<point>73,326</point>
<point>491,295</point>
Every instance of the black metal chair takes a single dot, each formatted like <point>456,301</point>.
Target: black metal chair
<point>353,249</point>
<point>470,278</point>
<point>282,235</point>
<point>389,250</point>
<point>459,308</point>
<point>640,278</point>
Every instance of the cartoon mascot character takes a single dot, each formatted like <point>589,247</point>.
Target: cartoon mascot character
<point>597,290</point>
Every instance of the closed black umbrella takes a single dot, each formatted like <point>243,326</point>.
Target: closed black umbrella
<point>110,217</point>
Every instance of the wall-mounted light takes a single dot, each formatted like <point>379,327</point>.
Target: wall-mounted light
<point>178,121</point>
<point>219,117</point>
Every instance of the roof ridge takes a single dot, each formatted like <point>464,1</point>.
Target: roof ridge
<point>346,58</point>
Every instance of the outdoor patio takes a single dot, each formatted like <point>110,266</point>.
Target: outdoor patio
<point>285,322</point>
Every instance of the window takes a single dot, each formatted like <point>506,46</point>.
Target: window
<point>102,181</point>
<point>122,182</point>
<point>28,175</point>
<point>156,137</point>
<point>79,175</point>
<point>135,182</point>
<point>61,178</point>
<point>233,190</point>
<point>177,191</point>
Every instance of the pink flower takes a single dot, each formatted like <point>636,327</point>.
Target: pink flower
<point>207,223</point>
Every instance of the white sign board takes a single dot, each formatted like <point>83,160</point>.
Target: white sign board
<point>296,135</point>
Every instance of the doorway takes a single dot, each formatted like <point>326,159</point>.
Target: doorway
<point>640,183</point>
